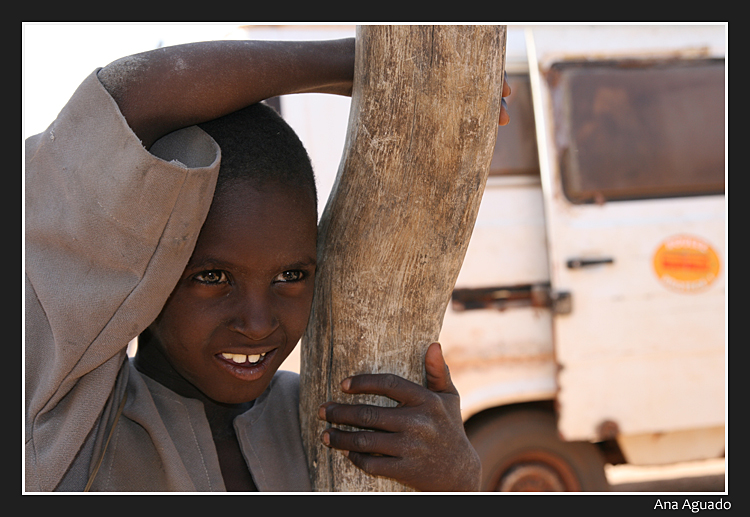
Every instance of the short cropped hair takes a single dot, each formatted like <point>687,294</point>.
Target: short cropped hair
<point>258,145</point>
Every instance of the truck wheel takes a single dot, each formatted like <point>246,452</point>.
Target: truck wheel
<point>521,451</point>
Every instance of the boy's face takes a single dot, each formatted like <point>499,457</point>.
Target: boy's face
<point>244,298</point>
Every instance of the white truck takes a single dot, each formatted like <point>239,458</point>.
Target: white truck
<point>588,322</point>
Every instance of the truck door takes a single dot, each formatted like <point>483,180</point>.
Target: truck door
<point>631,127</point>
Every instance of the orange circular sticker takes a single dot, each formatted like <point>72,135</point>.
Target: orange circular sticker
<point>686,263</point>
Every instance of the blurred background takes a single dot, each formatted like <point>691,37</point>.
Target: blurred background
<point>587,330</point>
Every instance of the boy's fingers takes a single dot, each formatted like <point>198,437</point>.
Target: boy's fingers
<point>372,452</point>
<point>360,415</point>
<point>400,389</point>
<point>386,384</point>
<point>504,115</point>
<point>366,442</point>
<point>385,466</point>
<point>438,375</point>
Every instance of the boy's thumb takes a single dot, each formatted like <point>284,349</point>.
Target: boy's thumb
<point>438,376</point>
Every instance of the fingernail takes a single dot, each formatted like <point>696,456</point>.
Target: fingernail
<point>325,439</point>
<point>346,384</point>
<point>322,412</point>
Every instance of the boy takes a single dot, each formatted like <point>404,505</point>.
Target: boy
<point>130,233</point>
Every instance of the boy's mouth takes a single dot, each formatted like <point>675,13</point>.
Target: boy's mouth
<point>246,367</point>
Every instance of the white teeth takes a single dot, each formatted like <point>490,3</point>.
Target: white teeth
<point>241,358</point>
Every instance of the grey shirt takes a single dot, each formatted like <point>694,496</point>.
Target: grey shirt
<point>110,227</point>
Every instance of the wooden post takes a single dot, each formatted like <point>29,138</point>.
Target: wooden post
<point>393,235</point>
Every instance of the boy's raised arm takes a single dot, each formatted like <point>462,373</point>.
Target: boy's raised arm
<point>166,89</point>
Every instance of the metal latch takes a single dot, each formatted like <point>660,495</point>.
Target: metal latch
<point>505,297</point>
<point>577,263</point>
<point>561,302</point>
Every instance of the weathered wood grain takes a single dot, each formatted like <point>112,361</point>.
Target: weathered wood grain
<point>393,235</point>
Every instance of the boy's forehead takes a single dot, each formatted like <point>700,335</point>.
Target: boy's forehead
<point>252,197</point>
<point>273,211</point>
<point>257,230</point>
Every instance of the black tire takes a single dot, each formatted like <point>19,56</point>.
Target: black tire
<point>521,451</point>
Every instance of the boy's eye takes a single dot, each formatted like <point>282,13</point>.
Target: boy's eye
<point>212,277</point>
<point>290,276</point>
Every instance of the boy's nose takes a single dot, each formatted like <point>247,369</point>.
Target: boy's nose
<point>254,317</point>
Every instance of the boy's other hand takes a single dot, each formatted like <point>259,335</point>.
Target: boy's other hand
<point>504,116</point>
<point>420,443</point>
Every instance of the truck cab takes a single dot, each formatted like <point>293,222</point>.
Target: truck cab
<point>588,323</point>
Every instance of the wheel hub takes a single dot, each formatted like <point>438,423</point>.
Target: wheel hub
<point>531,478</point>
<point>536,470</point>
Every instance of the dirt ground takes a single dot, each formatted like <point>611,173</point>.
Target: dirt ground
<point>698,476</point>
